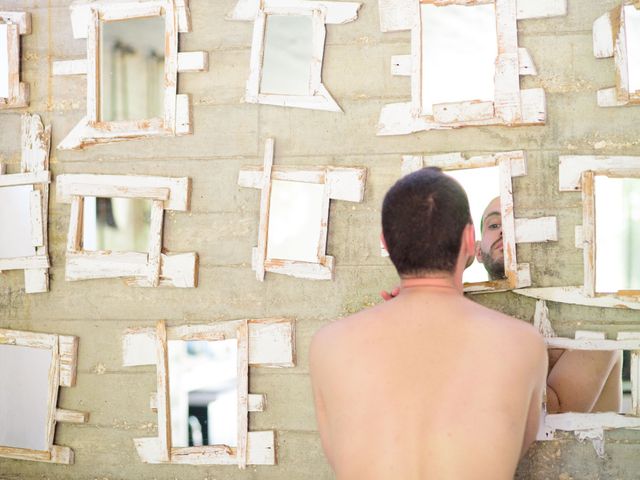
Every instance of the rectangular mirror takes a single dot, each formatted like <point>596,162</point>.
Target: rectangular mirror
<point>482,186</point>
<point>617,208</point>
<point>203,384</point>
<point>295,221</point>
<point>15,222</point>
<point>132,55</point>
<point>4,61</point>
<point>288,55</point>
<point>459,51</point>
<point>24,397</point>
<point>116,224</point>
<point>632,29</point>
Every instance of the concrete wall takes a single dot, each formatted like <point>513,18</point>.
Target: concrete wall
<point>222,226</point>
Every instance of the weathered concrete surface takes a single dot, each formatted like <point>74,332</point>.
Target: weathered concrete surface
<point>222,227</point>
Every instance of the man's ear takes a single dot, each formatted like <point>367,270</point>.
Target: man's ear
<point>383,241</point>
<point>478,251</point>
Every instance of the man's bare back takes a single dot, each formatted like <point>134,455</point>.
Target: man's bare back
<point>427,385</point>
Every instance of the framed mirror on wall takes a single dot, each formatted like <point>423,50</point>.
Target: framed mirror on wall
<point>202,399</point>
<point>13,92</point>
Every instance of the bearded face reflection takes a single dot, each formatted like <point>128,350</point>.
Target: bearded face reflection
<point>489,250</point>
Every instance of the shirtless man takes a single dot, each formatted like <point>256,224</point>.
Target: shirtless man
<point>428,385</point>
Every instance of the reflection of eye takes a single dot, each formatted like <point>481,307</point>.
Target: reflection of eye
<point>494,226</point>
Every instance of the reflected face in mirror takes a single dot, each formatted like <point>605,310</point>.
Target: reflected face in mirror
<point>24,396</point>
<point>203,388</point>
<point>132,69</point>
<point>288,55</point>
<point>116,224</point>
<point>15,222</point>
<point>489,249</point>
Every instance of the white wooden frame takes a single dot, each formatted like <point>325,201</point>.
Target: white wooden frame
<point>576,174</point>
<point>341,183</point>
<point>152,269</point>
<point>512,106</point>
<point>87,18</point>
<point>514,231</point>
<point>322,12</point>
<point>264,343</point>
<point>35,171</point>
<point>62,373</point>
<point>610,40</point>
<point>18,23</point>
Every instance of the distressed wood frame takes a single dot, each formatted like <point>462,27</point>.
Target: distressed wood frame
<point>576,174</point>
<point>36,142</point>
<point>322,13</point>
<point>341,183</point>
<point>610,40</point>
<point>62,373</point>
<point>87,19</point>
<point>264,343</point>
<point>511,106</point>
<point>18,23</point>
<point>514,231</point>
<point>152,269</point>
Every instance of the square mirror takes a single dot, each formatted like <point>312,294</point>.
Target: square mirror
<point>203,384</point>
<point>116,224</point>
<point>15,222</point>
<point>132,61</point>
<point>4,61</point>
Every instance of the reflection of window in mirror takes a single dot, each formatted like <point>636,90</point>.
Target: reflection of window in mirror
<point>116,224</point>
<point>15,222</point>
<point>459,50</point>
<point>288,51</point>
<point>295,220</point>
<point>24,397</point>
<point>617,234</point>
<point>4,61</point>
<point>132,69</point>
<point>632,28</point>
<point>482,186</point>
<point>203,383</point>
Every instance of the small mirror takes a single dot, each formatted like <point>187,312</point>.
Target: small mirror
<point>459,51</point>
<point>15,222</point>
<point>483,191</point>
<point>24,397</point>
<point>116,224</point>
<point>288,54</point>
<point>132,69</point>
<point>632,28</point>
<point>4,61</point>
<point>617,234</point>
<point>203,385</point>
<point>295,221</point>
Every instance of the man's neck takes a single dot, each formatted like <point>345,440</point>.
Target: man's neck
<point>432,284</point>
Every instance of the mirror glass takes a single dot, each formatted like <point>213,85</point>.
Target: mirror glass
<point>288,51</point>
<point>132,69</point>
<point>588,381</point>
<point>459,50</point>
<point>483,191</point>
<point>632,28</point>
<point>15,222</point>
<point>617,234</point>
<point>203,388</point>
<point>295,221</point>
<point>24,396</point>
<point>116,224</point>
<point>4,61</point>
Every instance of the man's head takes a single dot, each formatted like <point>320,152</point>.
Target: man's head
<point>424,216</point>
<point>489,249</point>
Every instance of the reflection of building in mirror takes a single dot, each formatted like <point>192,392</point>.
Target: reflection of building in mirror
<point>132,69</point>
<point>116,224</point>
<point>617,207</point>
<point>203,383</point>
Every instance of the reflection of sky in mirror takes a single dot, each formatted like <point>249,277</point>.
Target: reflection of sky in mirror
<point>632,27</point>
<point>15,222</point>
<point>4,61</point>
<point>617,234</point>
<point>459,50</point>
<point>203,383</point>
<point>482,185</point>
<point>288,48</point>
<point>116,224</point>
<point>24,396</point>
<point>295,217</point>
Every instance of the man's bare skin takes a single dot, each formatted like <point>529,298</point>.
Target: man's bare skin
<point>428,385</point>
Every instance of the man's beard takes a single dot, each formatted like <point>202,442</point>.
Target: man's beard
<point>495,268</point>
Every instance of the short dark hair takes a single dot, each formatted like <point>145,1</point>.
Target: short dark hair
<point>423,216</point>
